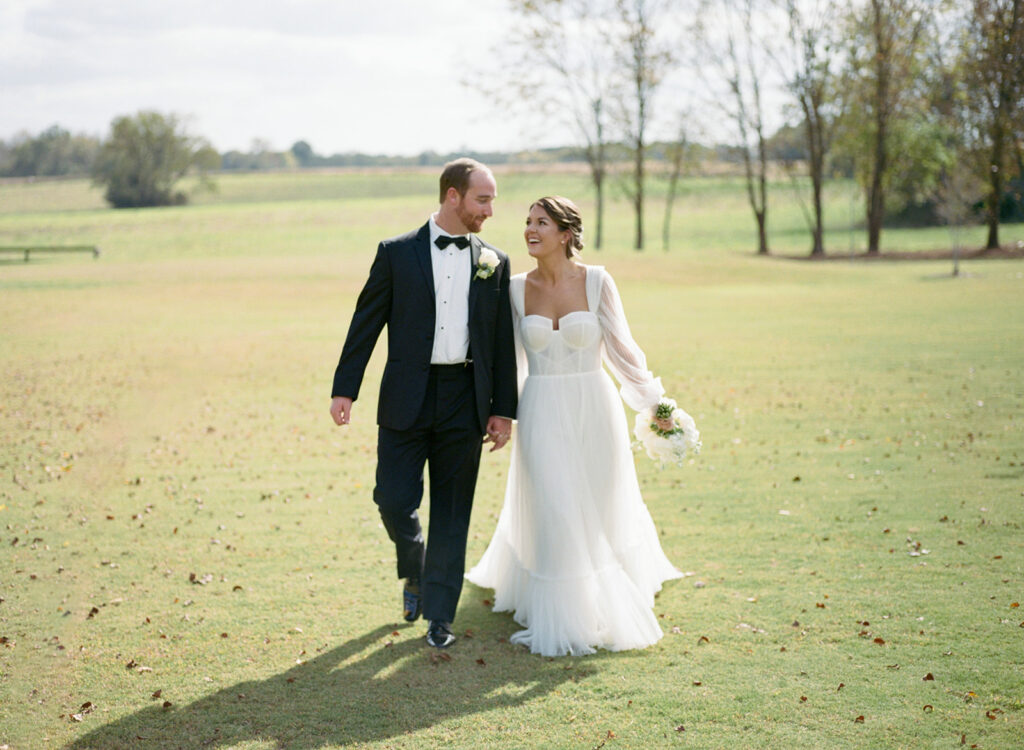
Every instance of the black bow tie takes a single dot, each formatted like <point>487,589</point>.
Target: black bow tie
<point>444,241</point>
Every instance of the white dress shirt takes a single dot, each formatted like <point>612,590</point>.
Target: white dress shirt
<point>452,268</point>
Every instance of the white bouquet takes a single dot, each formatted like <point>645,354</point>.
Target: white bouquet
<point>667,445</point>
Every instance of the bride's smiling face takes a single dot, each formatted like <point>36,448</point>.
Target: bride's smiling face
<point>542,234</point>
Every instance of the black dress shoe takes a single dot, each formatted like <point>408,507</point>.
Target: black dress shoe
<point>439,634</point>
<point>411,600</point>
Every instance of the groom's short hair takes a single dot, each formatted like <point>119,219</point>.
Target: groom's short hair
<point>456,175</point>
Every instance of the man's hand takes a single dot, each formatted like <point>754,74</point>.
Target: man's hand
<point>499,430</point>
<point>341,409</point>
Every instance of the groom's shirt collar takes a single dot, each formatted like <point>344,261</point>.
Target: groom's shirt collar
<point>436,231</point>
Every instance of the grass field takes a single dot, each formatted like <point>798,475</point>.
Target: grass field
<point>192,557</point>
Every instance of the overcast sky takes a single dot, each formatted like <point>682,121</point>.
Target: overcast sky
<point>377,76</point>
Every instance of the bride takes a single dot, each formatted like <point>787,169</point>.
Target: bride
<point>575,555</point>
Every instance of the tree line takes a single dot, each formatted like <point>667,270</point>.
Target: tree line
<point>921,100</point>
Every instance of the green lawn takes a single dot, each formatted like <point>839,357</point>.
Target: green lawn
<point>193,552</point>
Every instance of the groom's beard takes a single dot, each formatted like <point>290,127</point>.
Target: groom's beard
<point>471,221</point>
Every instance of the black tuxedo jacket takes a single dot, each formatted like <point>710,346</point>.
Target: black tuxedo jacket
<point>399,293</point>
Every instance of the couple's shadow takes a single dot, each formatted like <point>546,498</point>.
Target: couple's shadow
<point>370,688</point>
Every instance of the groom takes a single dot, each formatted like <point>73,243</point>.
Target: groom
<point>450,380</point>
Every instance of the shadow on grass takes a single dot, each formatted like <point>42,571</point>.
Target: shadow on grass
<point>362,691</point>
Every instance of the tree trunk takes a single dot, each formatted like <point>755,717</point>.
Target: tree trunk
<point>875,213</point>
<point>818,239</point>
<point>638,196</point>
<point>762,216</point>
<point>816,142</point>
<point>673,186</point>
<point>876,196</point>
<point>762,232</point>
<point>996,179</point>
<point>598,171</point>
<point>666,224</point>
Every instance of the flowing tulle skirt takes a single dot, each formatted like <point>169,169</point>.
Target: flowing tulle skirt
<point>575,555</point>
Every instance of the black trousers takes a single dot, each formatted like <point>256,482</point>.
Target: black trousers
<point>445,436</point>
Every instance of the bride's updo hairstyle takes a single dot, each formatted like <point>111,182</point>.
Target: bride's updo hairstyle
<point>567,218</point>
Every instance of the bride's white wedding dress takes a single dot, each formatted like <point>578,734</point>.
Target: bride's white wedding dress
<point>575,555</point>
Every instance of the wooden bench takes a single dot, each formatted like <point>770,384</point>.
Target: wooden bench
<point>29,249</point>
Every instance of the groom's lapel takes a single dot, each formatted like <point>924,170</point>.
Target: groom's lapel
<point>474,258</point>
<point>422,250</point>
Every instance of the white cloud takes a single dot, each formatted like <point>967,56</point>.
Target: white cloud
<point>346,76</point>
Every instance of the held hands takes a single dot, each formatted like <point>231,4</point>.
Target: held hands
<point>341,409</point>
<point>499,430</point>
<point>667,424</point>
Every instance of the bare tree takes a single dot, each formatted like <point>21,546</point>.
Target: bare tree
<point>644,60</point>
<point>680,159</point>
<point>809,74</point>
<point>557,68</point>
<point>994,71</point>
<point>958,190</point>
<point>728,49</point>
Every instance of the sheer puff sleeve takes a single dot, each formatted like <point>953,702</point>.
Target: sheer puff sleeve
<point>638,386</point>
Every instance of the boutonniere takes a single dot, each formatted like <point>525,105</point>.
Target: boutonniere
<point>486,264</point>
